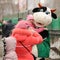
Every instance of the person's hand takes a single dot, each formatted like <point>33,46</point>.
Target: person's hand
<point>31,29</point>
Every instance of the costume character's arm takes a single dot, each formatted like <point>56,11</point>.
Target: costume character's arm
<point>44,34</point>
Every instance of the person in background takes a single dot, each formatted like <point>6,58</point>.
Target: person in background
<point>19,19</point>
<point>4,23</point>
<point>9,42</point>
<point>7,26</point>
<point>9,48</point>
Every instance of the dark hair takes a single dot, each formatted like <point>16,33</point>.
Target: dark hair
<point>19,19</point>
<point>9,21</point>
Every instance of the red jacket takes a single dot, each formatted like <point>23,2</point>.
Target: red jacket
<point>28,39</point>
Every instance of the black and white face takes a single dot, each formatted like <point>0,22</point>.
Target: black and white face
<point>42,16</point>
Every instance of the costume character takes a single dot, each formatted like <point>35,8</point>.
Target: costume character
<point>43,17</point>
<point>28,37</point>
<point>10,45</point>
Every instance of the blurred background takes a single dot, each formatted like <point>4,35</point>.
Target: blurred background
<point>13,9</point>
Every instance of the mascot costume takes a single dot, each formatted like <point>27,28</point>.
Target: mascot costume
<point>43,17</point>
<point>26,38</point>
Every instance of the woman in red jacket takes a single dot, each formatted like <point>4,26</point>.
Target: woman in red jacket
<point>28,37</point>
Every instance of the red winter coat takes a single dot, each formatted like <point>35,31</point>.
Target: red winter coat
<point>28,39</point>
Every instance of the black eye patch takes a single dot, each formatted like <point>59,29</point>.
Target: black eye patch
<point>36,10</point>
<point>42,9</point>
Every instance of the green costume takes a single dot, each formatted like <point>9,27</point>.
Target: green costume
<point>44,48</point>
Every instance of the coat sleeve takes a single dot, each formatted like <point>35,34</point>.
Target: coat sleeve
<point>21,34</point>
<point>35,38</point>
<point>26,35</point>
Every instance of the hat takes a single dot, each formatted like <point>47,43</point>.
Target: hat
<point>29,17</point>
<point>22,24</point>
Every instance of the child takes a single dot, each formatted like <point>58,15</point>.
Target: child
<point>25,36</point>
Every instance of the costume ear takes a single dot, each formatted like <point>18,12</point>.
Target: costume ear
<point>54,15</point>
<point>36,10</point>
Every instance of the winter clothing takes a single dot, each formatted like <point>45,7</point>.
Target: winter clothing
<point>10,48</point>
<point>6,29</point>
<point>29,17</point>
<point>29,39</point>
<point>26,24</point>
<point>44,47</point>
<point>43,50</point>
<point>22,24</point>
